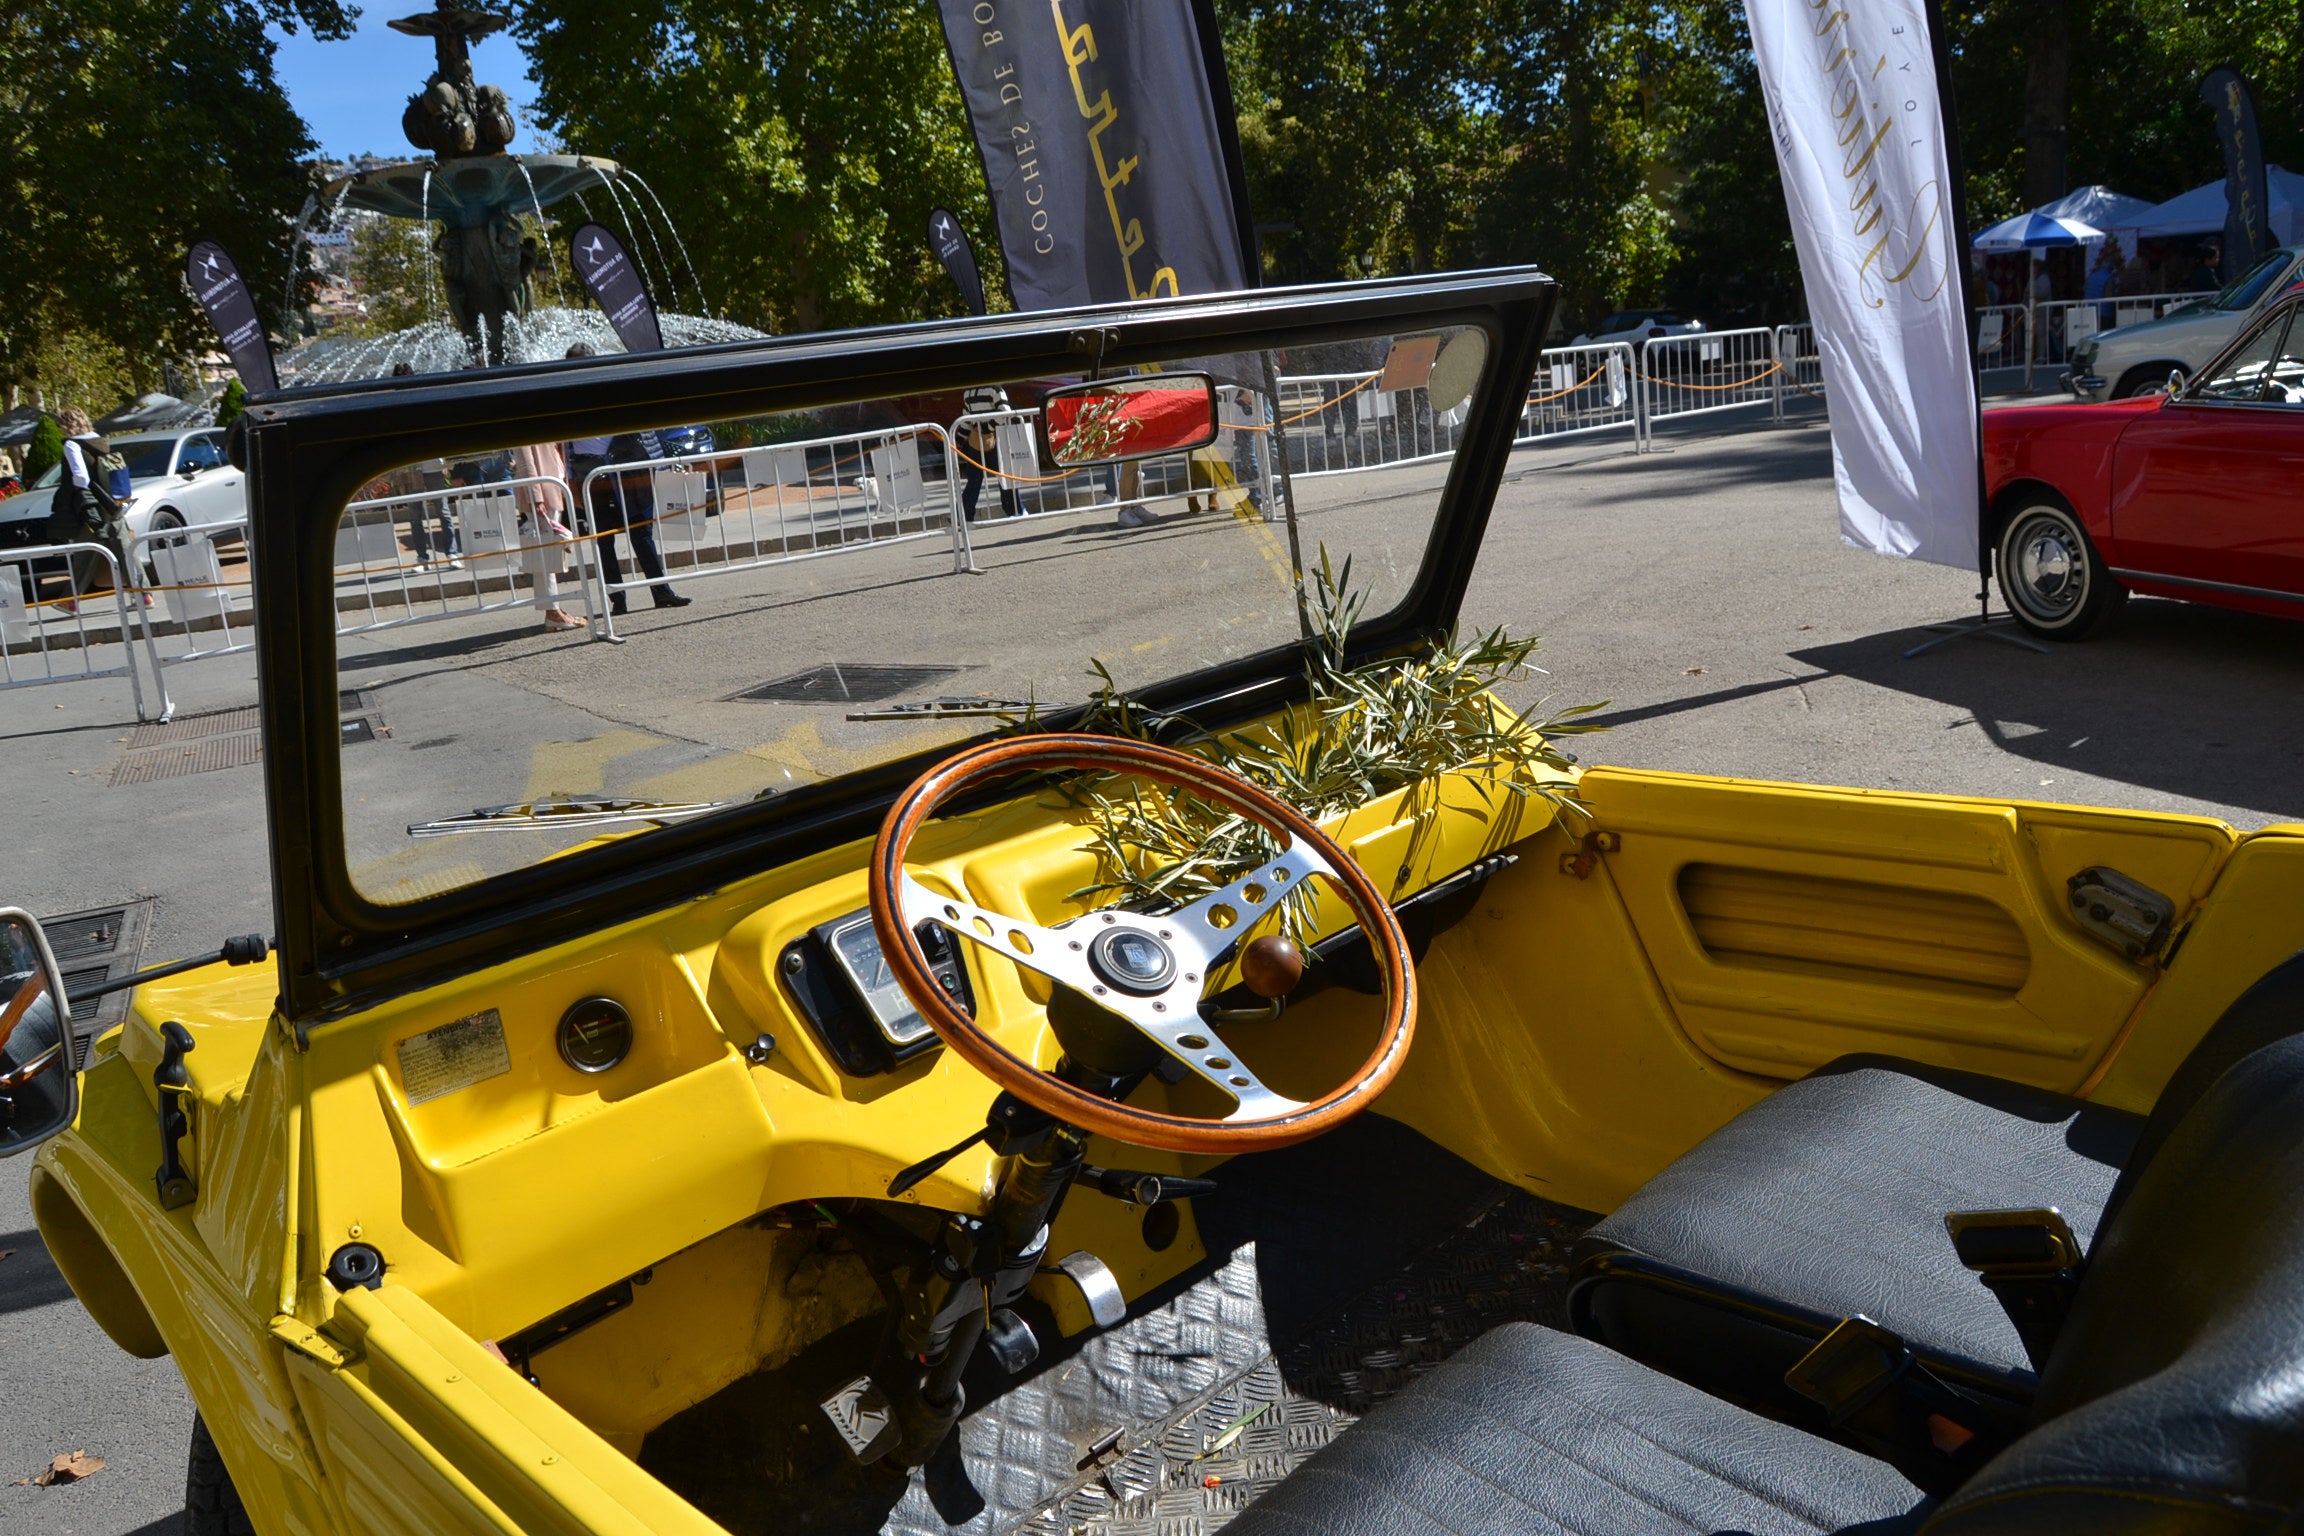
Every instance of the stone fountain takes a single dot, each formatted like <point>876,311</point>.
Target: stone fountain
<point>488,260</point>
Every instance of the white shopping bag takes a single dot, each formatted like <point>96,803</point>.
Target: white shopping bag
<point>1019,453</point>
<point>185,565</point>
<point>15,619</point>
<point>895,478</point>
<point>370,537</point>
<point>1616,390</point>
<point>488,525</point>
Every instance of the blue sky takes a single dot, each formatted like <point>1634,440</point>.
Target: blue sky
<point>352,92</point>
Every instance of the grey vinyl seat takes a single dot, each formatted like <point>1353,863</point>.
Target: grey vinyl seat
<point>1827,1199</point>
<point>2172,1400</point>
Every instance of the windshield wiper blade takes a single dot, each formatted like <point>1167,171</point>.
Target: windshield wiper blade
<point>572,811</point>
<point>954,709</point>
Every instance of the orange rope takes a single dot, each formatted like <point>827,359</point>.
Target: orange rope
<point>1739,384</point>
<point>1571,389</point>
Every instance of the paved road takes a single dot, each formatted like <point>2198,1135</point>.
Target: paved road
<point>1700,589</point>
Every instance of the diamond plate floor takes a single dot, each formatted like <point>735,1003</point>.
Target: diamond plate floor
<point>1338,1271</point>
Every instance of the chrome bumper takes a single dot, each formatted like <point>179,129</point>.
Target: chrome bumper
<point>2084,386</point>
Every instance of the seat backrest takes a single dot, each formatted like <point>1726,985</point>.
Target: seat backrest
<point>2174,1399</point>
<point>2273,1009</point>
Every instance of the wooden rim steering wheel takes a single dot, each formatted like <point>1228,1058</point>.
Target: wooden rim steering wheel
<point>1149,971</point>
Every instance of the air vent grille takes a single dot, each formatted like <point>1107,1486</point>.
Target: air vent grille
<point>1854,931</point>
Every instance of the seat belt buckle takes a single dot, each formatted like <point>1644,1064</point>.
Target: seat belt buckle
<point>2032,1263</point>
<point>2014,1244</point>
<point>1850,1367</point>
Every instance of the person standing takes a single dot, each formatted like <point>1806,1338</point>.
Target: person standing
<point>544,530</point>
<point>980,443</point>
<point>622,503</point>
<point>84,510</point>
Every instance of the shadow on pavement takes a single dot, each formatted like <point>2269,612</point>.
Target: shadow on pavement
<point>29,1279</point>
<point>2177,697</point>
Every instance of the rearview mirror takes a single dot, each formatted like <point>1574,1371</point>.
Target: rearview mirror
<point>39,1083</point>
<point>1117,419</point>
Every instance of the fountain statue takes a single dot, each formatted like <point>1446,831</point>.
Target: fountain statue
<point>488,260</point>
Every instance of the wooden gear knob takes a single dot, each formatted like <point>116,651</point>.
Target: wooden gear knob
<point>1271,966</point>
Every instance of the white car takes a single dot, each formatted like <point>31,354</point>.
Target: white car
<point>2137,359</point>
<point>1633,326</point>
<point>177,479</point>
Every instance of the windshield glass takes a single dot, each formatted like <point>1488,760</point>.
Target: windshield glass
<point>793,604</point>
<point>147,457</point>
<point>2255,282</point>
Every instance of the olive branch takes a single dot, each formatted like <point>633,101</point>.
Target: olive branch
<point>1397,722</point>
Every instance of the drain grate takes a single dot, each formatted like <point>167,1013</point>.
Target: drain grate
<point>847,682</point>
<point>225,738</point>
<point>218,722</point>
<point>94,946</point>
<point>209,754</point>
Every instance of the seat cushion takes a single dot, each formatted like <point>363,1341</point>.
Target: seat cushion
<point>1528,1430</point>
<point>1827,1200</point>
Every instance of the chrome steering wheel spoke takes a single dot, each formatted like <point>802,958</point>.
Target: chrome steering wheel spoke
<point>1218,921</point>
<point>1150,971</point>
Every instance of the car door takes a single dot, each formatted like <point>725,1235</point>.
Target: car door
<point>212,491</point>
<point>2206,490</point>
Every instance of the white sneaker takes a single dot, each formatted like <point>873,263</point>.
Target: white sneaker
<point>1136,517</point>
<point>455,565</point>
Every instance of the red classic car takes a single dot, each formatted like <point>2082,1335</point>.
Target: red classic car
<point>2197,494</point>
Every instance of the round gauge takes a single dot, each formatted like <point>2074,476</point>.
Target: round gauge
<point>595,1034</point>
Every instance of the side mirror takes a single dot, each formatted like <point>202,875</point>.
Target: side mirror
<point>1105,423</point>
<point>2175,381</point>
<point>39,1080</point>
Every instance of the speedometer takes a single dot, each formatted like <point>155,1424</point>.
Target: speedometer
<point>857,948</point>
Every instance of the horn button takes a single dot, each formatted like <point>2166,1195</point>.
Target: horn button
<point>1132,961</point>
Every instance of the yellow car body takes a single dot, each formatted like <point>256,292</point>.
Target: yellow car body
<point>1633,980</point>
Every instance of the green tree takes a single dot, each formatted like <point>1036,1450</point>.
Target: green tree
<point>46,447</point>
<point>798,145</point>
<point>234,402</point>
<point>127,129</point>
<point>396,272</point>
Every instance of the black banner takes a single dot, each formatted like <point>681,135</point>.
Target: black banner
<point>615,285</point>
<point>1109,146</point>
<point>223,294</point>
<point>2247,223</point>
<point>950,243</point>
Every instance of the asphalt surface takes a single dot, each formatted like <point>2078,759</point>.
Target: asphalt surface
<point>1701,590</point>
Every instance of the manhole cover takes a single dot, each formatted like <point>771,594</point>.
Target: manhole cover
<point>847,682</point>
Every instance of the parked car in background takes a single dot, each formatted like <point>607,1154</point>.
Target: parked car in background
<point>1633,326</point>
<point>177,480</point>
<point>687,442</point>
<point>2194,494</point>
<point>2133,360</point>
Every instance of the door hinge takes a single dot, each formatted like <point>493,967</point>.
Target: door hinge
<point>1586,858</point>
<point>2120,913</point>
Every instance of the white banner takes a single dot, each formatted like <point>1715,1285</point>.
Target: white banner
<point>1852,101</point>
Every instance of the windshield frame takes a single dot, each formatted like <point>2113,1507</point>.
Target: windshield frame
<point>307,453</point>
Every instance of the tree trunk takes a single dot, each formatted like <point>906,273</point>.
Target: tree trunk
<point>2047,99</point>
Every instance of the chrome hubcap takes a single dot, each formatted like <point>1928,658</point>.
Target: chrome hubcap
<point>2051,570</point>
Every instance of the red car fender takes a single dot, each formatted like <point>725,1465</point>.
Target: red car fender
<point>2067,448</point>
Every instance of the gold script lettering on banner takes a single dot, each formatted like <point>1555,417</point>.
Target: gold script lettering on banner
<point>1127,233</point>
<point>1884,264</point>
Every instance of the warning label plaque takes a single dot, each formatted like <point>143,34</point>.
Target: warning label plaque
<point>454,1056</point>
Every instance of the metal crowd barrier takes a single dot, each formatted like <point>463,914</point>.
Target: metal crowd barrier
<point>1802,363</point>
<point>49,639</point>
<point>1004,446</point>
<point>720,513</point>
<point>1710,371</point>
<point>1582,389</point>
<point>207,616</point>
<point>2064,324</point>
<point>467,553</point>
<point>2003,337</point>
<point>1340,422</point>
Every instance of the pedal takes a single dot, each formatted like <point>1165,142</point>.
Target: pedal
<point>1011,1343</point>
<point>864,1419</point>
<point>1099,1288</point>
